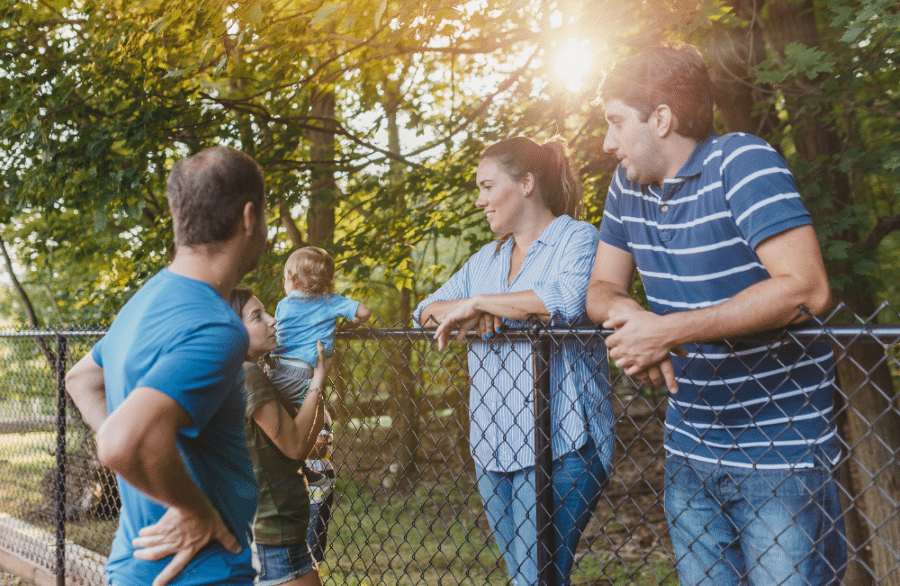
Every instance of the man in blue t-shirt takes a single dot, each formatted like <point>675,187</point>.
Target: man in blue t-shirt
<point>725,248</point>
<point>163,389</point>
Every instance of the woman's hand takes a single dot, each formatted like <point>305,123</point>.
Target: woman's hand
<point>464,317</point>
<point>322,368</point>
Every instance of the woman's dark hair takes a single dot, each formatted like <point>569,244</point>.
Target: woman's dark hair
<point>674,75</point>
<point>549,164</point>
<point>239,298</point>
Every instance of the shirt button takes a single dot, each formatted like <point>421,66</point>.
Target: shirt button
<point>665,208</point>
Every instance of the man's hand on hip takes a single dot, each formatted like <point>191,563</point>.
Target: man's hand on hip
<point>181,535</point>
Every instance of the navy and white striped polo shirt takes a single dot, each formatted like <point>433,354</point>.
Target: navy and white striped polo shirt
<point>693,242</point>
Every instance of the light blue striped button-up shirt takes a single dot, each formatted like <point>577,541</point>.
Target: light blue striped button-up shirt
<point>501,402</point>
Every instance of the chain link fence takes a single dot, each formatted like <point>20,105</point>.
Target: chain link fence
<point>407,507</point>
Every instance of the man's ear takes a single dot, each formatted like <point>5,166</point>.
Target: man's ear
<point>666,122</point>
<point>250,218</point>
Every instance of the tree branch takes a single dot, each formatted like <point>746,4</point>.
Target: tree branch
<point>26,302</point>
<point>882,228</point>
<point>290,226</point>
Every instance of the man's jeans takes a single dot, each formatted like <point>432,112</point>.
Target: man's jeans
<point>509,502</point>
<point>734,525</point>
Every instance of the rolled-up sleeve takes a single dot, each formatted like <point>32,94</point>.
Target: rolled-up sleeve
<point>566,292</point>
<point>456,288</point>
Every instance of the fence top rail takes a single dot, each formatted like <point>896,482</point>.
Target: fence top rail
<point>74,333</point>
<point>889,335</point>
<point>884,334</point>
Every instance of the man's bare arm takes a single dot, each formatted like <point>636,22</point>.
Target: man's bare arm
<point>84,383</point>
<point>138,442</point>
<point>608,299</point>
<point>609,289</point>
<point>797,277</point>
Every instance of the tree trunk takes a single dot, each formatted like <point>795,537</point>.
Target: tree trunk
<point>871,427</point>
<point>868,425</point>
<point>323,188</point>
<point>734,52</point>
<point>404,405</point>
<point>49,354</point>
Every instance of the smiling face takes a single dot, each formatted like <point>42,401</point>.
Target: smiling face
<point>500,196</point>
<point>260,327</point>
<point>634,144</point>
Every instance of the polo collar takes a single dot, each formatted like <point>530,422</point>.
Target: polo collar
<point>694,165</point>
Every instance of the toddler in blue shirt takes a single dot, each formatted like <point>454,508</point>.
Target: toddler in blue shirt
<point>307,314</point>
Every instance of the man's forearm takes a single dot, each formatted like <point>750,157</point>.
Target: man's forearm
<point>605,300</point>
<point>155,467</point>
<point>769,304</point>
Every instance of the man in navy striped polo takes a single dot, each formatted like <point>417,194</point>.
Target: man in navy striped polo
<point>725,248</point>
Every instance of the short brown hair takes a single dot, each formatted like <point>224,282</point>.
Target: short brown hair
<point>310,270</point>
<point>674,75</point>
<point>207,193</point>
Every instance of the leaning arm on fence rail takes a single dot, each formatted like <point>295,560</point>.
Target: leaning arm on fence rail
<point>797,280</point>
<point>608,298</point>
<point>84,383</point>
<point>482,313</point>
<point>138,442</point>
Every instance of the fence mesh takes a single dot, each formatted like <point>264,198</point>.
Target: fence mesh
<point>407,506</point>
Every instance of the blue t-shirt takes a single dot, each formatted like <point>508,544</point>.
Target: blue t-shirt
<point>557,269</point>
<point>693,242</point>
<point>178,336</point>
<point>303,320</point>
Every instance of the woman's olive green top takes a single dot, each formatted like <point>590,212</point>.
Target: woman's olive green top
<point>282,517</point>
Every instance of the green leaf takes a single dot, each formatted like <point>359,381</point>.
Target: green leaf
<point>324,13</point>
<point>382,6</point>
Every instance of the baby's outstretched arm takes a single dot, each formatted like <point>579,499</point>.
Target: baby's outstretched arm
<point>362,313</point>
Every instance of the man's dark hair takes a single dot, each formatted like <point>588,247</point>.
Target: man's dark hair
<point>207,193</point>
<point>674,75</point>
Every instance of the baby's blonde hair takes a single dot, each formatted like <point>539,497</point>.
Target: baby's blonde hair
<point>310,271</point>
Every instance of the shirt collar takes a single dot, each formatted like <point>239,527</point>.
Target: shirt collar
<point>551,234</point>
<point>694,165</point>
<point>554,230</point>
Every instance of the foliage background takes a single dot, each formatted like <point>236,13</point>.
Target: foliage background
<point>369,117</point>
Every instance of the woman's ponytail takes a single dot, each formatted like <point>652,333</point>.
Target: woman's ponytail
<point>563,190</point>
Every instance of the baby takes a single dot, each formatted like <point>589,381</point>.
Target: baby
<point>307,314</point>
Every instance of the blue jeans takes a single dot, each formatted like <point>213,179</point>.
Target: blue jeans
<point>733,526</point>
<point>509,502</point>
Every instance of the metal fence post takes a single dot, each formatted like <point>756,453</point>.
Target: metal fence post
<point>543,458</point>
<point>61,460</point>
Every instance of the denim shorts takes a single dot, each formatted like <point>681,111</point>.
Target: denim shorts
<point>732,526</point>
<point>282,563</point>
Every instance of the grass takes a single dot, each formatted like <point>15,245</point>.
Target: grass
<point>25,459</point>
<point>430,534</point>
<point>438,536</point>
<point>12,580</point>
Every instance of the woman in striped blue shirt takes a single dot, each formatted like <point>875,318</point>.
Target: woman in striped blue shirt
<point>538,268</point>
